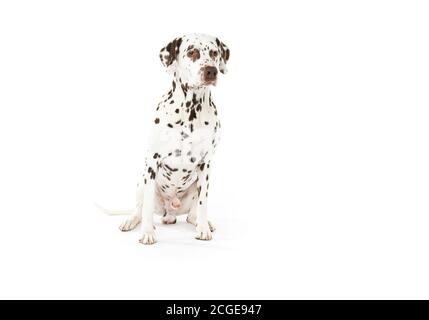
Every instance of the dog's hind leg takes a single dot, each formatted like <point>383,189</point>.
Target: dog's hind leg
<point>136,218</point>
<point>169,218</point>
<point>130,223</point>
<point>192,219</point>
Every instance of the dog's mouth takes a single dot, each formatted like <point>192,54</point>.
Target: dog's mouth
<point>204,84</point>
<point>209,83</point>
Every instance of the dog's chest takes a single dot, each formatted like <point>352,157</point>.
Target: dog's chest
<point>187,135</point>
<point>174,181</point>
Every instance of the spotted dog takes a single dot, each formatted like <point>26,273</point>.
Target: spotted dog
<point>184,137</point>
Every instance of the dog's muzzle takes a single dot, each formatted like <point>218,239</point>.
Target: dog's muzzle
<point>209,75</point>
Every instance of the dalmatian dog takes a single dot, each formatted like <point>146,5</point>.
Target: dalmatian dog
<point>185,133</point>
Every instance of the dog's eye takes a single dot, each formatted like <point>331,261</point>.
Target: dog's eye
<point>213,54</point>
<point>194,55</point>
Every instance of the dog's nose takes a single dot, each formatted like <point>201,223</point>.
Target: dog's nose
<point>210,73</point>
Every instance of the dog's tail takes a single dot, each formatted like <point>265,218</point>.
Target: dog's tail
<point>114,212</point>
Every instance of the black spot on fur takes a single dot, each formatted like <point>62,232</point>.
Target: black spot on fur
<point>169,168</point>
<point>194,99</point>
<point>192,115</point>
<point>151,173</point>
<point>185,89</point>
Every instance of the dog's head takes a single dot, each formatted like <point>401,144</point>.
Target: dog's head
<point>195,59</point>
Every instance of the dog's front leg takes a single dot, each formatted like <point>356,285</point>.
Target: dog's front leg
<point>203,226</point>
<point>148,236</point>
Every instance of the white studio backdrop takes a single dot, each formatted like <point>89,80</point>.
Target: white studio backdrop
<point>320,185</point>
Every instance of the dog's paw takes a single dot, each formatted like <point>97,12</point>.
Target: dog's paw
<point>193,222</point>
<point>169,219</point>
<point>203,232</point>
<point>130,224</point>
<point>148,238</point>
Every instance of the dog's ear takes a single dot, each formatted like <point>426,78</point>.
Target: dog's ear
<point>224,55</point>
<point>169,53</point>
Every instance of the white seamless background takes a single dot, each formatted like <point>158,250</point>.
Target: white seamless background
<point>320,184</point>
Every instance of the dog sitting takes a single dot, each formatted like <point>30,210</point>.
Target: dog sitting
<point>184,137</point>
